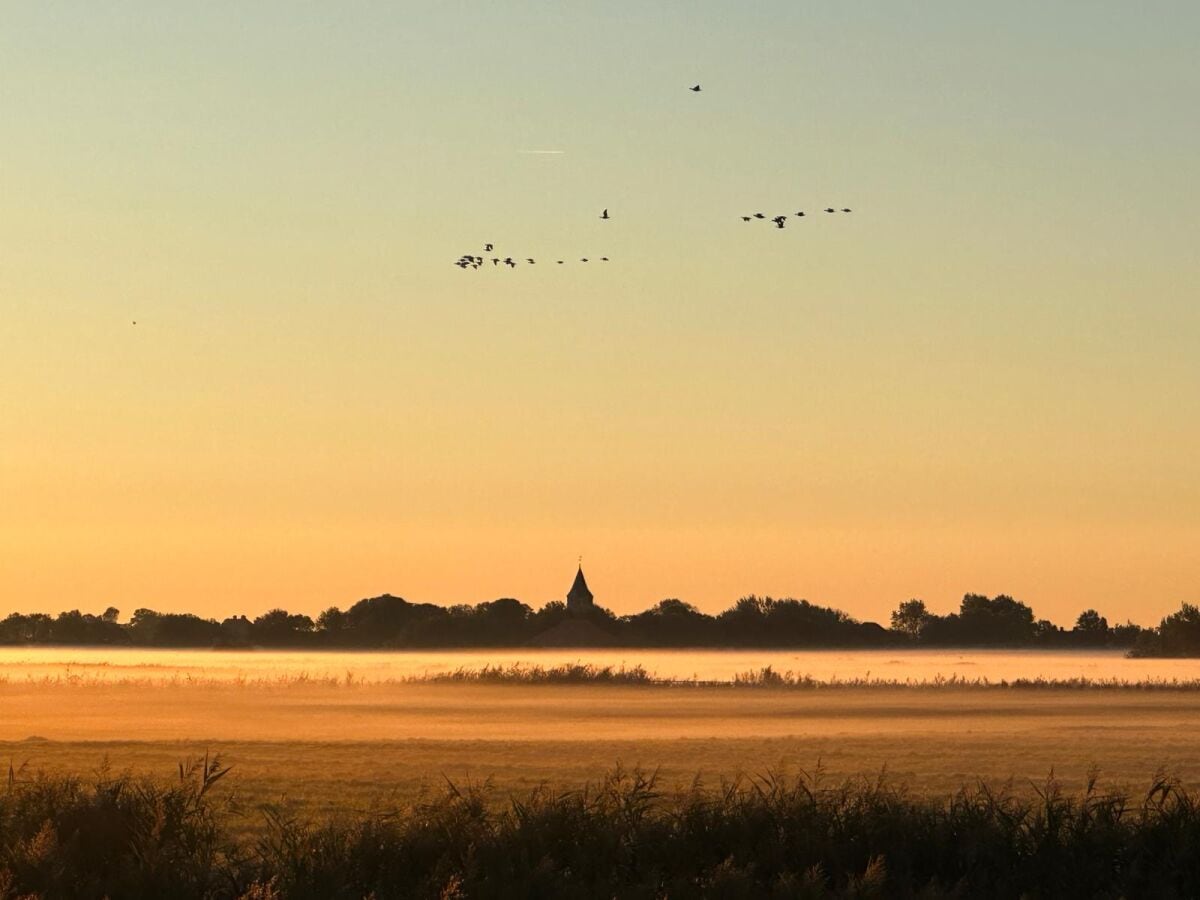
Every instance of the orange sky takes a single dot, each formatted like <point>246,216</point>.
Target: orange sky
<point>985,379</point>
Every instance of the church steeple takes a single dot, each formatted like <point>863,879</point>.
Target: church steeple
<point>579,597</point>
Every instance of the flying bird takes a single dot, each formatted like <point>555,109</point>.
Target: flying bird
<point>800,213</point>
<point>604,215</point>
<point>845,210</point>
<point>760,215</point>
<point>695,88</point>
<point>830,209</point>
<point>560,262</point>
<point>488,248</point>
<point>584,259</point>
<point>530,261</point>
<point>604,259</point>
<point>779,220</point>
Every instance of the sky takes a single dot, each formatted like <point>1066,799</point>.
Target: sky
<point>984,379</point>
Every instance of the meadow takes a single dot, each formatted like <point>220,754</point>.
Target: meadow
<point>930,773</point>
<point>324,744</point>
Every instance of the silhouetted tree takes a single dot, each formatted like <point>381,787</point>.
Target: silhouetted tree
<point>25,629</point>
<point>389,621</point>
<point>910,617</point>
<point>671,623</point>
<point>1178,635</point>
<point>1046,633</point>
<point>151,628</point>
<point>74,627</point>
<point>1091,629</point>
<point>279,628</point>
<point>1126,635</point>
<point>331,626</point>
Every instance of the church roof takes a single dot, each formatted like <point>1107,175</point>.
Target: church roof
<point>579,590</point>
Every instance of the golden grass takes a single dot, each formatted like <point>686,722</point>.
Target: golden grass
<point>328,747</point>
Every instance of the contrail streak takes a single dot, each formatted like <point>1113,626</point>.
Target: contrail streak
<point>543,152</point>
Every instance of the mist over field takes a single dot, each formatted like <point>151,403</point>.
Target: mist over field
<point>299,724</point>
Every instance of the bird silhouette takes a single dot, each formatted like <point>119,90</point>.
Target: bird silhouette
<point>530,261</point>
<point>488,248</point>
<point>830,209</point>
<point>604,215</point>
<point>695,88</point>
<point>508,261</point>
<point>604,259</point>
<point>560,262</point>
<point>495,260</point>
<point>746,218</point>
<point>800,213</point>
<point>845,210</point>
<point>584,259</point>
<point>760,215</point>
<point>779,220</point>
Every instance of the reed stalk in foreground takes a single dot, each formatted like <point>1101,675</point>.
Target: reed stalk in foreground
<point>772,836</point>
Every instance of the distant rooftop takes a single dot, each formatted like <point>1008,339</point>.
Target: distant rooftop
<point>579,597</point>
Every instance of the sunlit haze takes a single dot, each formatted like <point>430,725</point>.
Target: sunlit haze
<point>984,379</point>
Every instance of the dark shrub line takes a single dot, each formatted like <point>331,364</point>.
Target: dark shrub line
<point>768,677</point>
<point>392,622</point>
<point>771,836</point>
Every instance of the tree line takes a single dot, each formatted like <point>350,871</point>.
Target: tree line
<point>392,622</point>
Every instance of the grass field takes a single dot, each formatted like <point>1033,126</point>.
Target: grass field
<point>329,748</point>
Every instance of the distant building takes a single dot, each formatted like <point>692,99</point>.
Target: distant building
<point>579,628</point>
<point>579,598</point>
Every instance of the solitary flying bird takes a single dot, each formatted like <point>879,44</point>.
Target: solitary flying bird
<point>695,87</point>
<point>800,213</point>
<point>604,215</point>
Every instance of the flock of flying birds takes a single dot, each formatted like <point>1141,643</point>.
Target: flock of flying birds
<point>781,219</point>
<point>471,261</point>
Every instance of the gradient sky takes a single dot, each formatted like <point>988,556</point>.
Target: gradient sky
<point>986,379</point>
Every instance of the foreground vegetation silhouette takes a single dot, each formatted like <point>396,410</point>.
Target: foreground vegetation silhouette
<point>392,622</point>
<point>772,836</point>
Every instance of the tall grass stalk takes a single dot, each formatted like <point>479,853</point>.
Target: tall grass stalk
<point>624,836</point>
